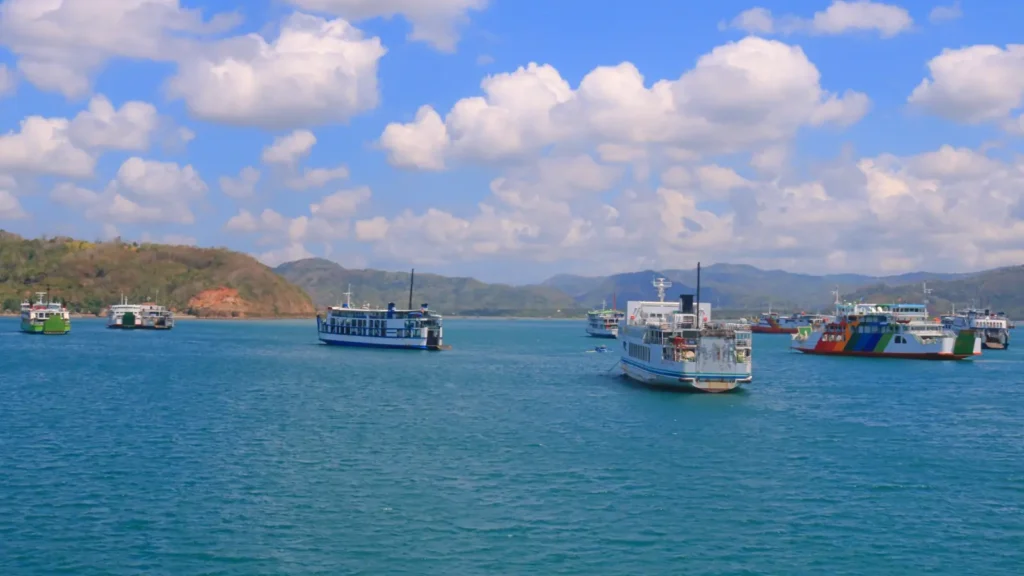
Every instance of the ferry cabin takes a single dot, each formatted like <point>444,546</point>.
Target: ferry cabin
<point>604,324</point>
<point>664,346</point>
<point>391,328</point>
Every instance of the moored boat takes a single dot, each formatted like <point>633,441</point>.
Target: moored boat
<point>604,322</point>
<point>411,329</point>
<point>124,316</point>
<point>886,331</point>
<point>994,329</point>
<point>155,316</point>
<point>45,316</point>
<point>676,346</point>
<point>774,323</point>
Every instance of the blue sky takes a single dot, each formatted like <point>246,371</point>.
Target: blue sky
<point>598,183</point>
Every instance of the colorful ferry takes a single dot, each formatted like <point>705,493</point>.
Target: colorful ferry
<point>45,316</point>
<point>410,329</point>
<point>676,346</point>
<point>773,323</point>
<point>994,329</point>
<point>604,323</point>
<point>887,331</point>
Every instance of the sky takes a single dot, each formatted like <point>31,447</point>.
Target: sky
<point>513,140</point>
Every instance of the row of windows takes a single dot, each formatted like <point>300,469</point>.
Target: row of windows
<point>639,352</point>
<point>371,332</point>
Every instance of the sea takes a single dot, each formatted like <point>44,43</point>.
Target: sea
<point>246,447</point>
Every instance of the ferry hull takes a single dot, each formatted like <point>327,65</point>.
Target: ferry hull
<point>902,355</point>
<point>55,326</point>
<point>964,345</point>
<point>603,333</point>
<point>684,380</point>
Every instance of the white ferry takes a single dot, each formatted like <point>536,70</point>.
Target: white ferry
<point>994,329</point>
<point>604,323</point>
<point>411,329</point>
<point>677,346</point>
<point>124,315</point>
<point>156,317</point>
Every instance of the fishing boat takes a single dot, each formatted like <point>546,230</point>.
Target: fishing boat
<point>124,316</point>
<point>604,322</point>
<point>45,316</point>
<point>413,329</point>
<point>670,345</point>
<point>993,329</point>
<point>886,331</point>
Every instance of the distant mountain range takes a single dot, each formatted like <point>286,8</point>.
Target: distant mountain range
<point>326,282</point>
<point>731,287</point>
<point>735,286</point>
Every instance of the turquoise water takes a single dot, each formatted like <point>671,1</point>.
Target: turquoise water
<point>248,448</point>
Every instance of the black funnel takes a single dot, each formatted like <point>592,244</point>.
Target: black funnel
<point>687,303</point>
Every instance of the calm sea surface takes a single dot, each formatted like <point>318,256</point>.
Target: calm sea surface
<point>249,448</point>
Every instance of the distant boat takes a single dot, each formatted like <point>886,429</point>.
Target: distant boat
<point>993,328</point>
<point>887,331</point>
<point>45,316</point>
<point>604,322</point>
<point>145,316</point>
<point>412,329</point>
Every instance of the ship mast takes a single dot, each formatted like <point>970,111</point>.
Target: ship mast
<point>348,297</point>
<point>660,284</point>
<point>836,294</point>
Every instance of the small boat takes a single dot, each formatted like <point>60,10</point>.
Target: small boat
<point>45,316</point>
<point>676,346</point>
<point>602,349</point>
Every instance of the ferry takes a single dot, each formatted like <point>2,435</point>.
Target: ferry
<point>676,346</point>
<point>45,316</point>
<point>604,323</point>
<point>145,316</point>
<point>993,329</point>
<point>410,329</point>
<point>124,316</point>
<point>773,323</point>
<point>156,317</point>
<point>886,331</point>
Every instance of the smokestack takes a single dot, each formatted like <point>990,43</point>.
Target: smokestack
<point>686,303</point>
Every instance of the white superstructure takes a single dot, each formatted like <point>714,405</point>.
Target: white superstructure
<point>671,345</point>
<point>604,323</point>
<point>994,329</point>
<point>124,315</point>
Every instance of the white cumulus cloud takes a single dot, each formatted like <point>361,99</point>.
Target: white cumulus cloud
<point>433,21</point>
<point>315,72</point>
<point>841,17</point>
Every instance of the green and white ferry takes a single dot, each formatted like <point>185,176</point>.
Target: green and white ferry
<point>44,317</point>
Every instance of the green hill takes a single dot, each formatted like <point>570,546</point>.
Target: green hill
<point>1001,290</point>
<point>209,282</point>
<point>327,281</point>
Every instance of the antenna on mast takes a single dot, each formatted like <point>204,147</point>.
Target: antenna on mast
<point>660,284</point>
<point>926,290</point>
<point>348,296</point>
<point>412,277</point>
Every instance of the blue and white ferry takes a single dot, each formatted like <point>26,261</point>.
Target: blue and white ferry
<point>346,325</point>
<point>671,345</point>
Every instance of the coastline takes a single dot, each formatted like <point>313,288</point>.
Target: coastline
<point>177,316</point>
